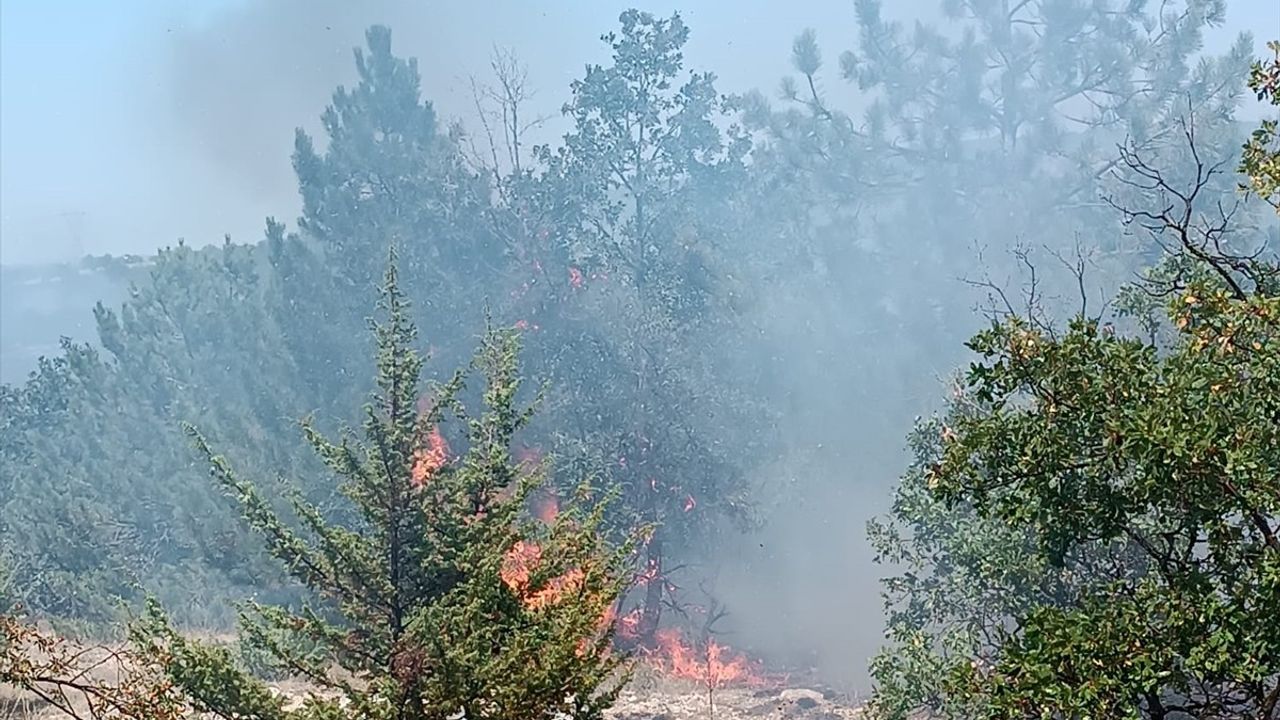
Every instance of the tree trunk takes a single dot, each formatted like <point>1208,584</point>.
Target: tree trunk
<point>651,613</point>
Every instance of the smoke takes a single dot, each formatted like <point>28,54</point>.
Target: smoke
<point>217,107</point>
<point>237,84</point>
<point>802,590</point>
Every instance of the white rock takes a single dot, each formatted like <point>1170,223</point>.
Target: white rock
<point>794,694</point>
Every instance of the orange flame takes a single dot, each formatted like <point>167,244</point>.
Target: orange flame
<point>629,624</point>
<point>626,626</point>
<point>715,666</point>
<point>519,563</point>
<point>556,590</point>
<point>429,459</point>
<point>517,569</point>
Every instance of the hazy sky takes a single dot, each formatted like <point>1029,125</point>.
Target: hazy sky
<point>129,124</point>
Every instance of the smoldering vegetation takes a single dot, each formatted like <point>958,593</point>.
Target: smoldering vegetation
<point>739,289</point>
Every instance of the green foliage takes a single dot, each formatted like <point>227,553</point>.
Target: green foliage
<point>104,494</point>
<point>389,173</point>
<point>1261,158</point>
<point>100,498</point>
<point>959,576</point>
<point>686,268</point>
<point>1122,500</point>
<point>441,597</point>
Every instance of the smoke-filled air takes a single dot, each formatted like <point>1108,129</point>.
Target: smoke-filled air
<point>400,360</point>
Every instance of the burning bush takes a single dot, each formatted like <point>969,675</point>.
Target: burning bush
<point>445,598</point>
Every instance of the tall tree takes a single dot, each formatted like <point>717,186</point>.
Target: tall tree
<point>443,598</point>
<point>1092,531</point>
<point>243,338</point>
<point>628,233</point>
<point>103,493</point>
<point>896,178</point>
<point>389,173</point>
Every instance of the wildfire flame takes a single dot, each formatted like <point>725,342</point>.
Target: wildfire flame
<point>429,459</point>
<point>556,590</point>
<point>518,567</point>
<point>626,626</point>
<point>709,664</point>
<point>713,665</point>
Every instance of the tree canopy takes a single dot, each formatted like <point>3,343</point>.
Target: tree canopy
<point>1091,530</point>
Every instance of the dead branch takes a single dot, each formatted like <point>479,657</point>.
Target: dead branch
<point>1181,227</point>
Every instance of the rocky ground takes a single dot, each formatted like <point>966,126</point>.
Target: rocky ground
<point>654,697</point>
<point>658,699</point>
<point>676,701</point>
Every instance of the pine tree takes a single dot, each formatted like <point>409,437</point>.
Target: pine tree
<point>390,171</point>
<point>442,597</point>
<point>100,493</point>
<point>629,253</point>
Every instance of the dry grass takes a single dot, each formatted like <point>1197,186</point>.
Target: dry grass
<point>650,696</point>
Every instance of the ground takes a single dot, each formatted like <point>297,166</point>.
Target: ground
<point>651,696</point>
<point>648,698</point>
<point>661,699</point>
<point>653,693</point>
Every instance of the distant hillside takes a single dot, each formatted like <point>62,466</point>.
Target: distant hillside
<point>41,303</point>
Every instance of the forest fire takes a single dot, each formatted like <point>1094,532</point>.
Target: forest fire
<point>709,663</point>
<point>517,571</point>
<point>721,311</point>
<point>429,459</point>
<point>712,665</point>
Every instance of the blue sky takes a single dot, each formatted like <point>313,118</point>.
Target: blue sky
<point>125,125</point>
